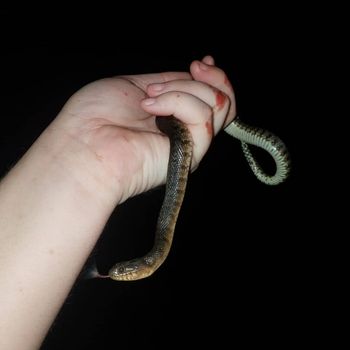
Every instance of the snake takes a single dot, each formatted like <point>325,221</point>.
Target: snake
<point>180,156</point>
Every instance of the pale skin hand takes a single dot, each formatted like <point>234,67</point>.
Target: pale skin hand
<point>101,149</point>
<point>111,117</point>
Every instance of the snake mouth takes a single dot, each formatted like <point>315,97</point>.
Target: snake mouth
<point>122,273</point>
<point>125,277</point>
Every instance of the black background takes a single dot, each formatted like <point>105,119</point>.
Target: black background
<point>238,268</point>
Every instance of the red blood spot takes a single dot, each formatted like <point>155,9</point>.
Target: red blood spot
<point>220,99</point>
<point>125,93</point>
<point>209,126</point>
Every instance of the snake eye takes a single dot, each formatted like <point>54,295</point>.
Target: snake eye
<point>121,269</point>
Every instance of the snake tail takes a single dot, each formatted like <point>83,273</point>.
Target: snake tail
<point>267,141</point>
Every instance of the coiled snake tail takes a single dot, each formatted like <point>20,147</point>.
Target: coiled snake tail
<point>269,142</point>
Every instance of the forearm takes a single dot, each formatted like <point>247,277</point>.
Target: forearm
<point>50,219</point>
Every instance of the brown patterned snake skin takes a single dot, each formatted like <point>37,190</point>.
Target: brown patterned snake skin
<point>178,169</point>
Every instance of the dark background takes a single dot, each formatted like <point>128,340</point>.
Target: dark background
<point>238,269</point>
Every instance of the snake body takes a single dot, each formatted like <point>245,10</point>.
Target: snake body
<point>178,169</point>
<point>267,141</point>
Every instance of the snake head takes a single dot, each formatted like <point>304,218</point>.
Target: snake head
<point>130,270</point>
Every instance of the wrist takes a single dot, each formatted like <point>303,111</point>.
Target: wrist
<point>69,160</point>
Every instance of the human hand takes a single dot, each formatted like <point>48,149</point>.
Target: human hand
<point>113,121</point>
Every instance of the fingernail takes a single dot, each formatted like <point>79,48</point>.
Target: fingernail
<point>157,87</point>
<point>149,101</point>
<point>203,66</point>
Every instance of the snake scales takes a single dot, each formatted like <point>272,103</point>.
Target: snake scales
<point>178,169</point>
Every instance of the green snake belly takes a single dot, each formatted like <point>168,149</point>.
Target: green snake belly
<point>178,170</point>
